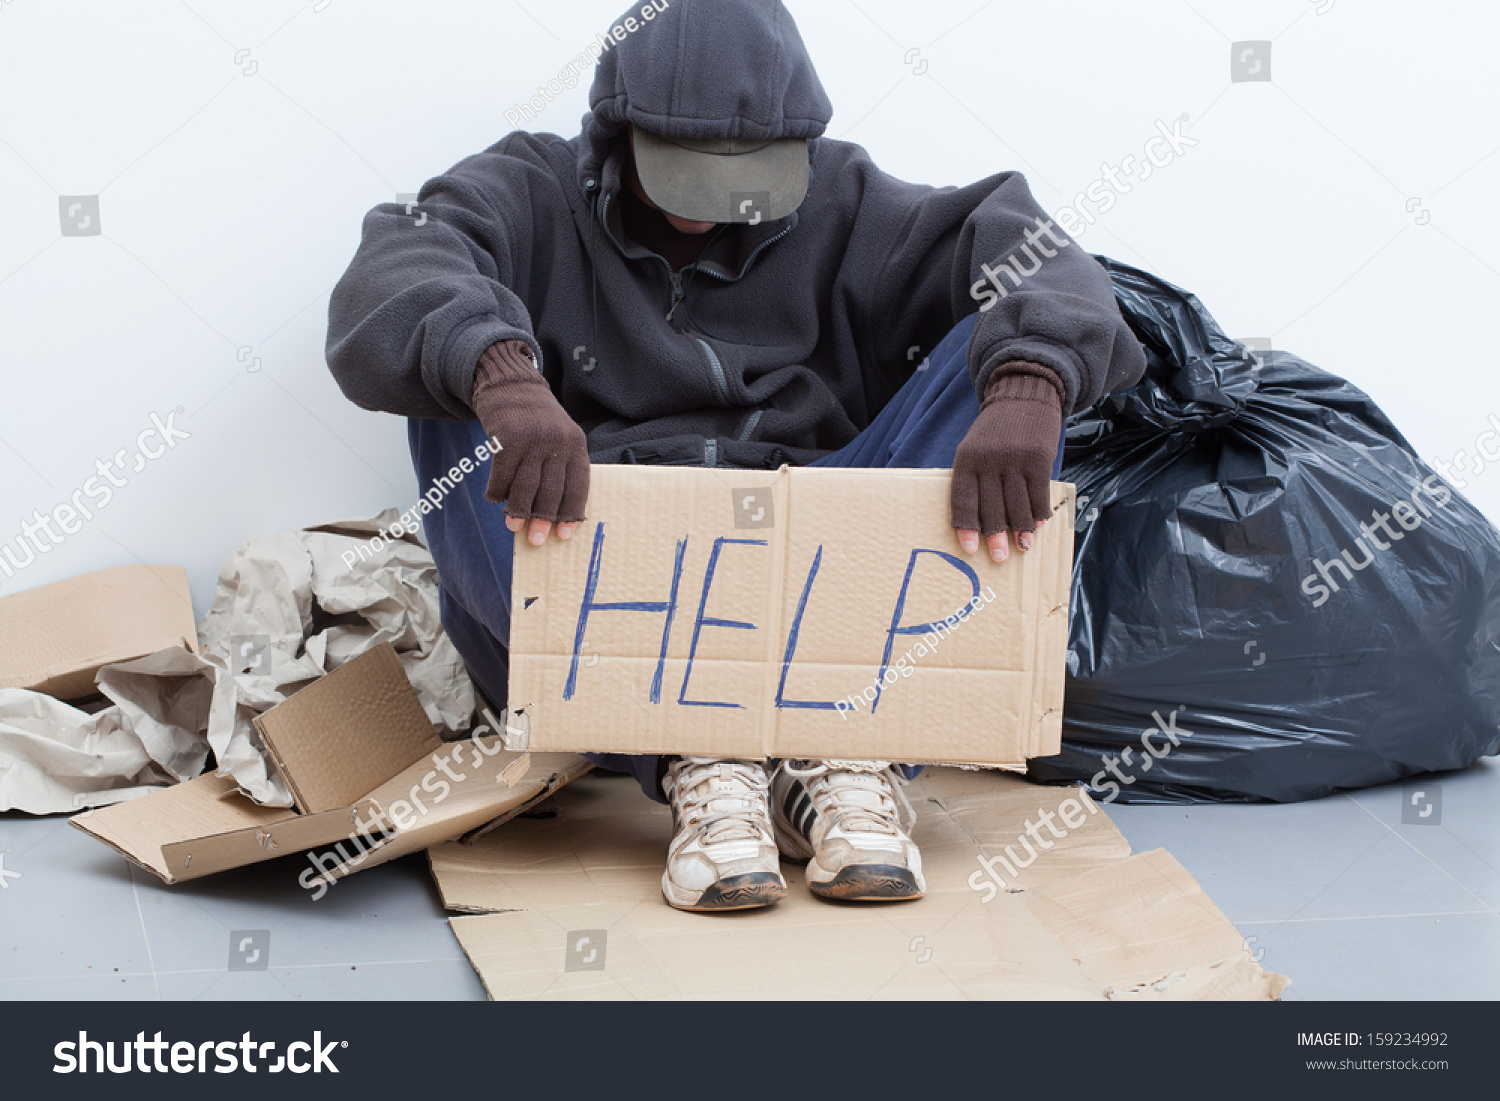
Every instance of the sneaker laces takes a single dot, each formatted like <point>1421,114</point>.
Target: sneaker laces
<point>702,806</point>
<point>865,798</point>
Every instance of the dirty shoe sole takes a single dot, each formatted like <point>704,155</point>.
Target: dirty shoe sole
<point>736,892</point>
<point>866,883</point>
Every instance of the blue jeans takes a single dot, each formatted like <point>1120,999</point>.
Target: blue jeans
<point>920,428</point>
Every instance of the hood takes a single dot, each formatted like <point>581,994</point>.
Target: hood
<point>705,69</point>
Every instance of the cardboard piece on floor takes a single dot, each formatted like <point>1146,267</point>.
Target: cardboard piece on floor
<point>1084,920</point>
<point>55,638</point>
<point>417,791</point>
<point>475,808</point>
<point>795,613</point>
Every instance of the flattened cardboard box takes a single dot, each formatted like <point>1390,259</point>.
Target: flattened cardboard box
<point>804,612</point>
<point>367,771</point>
<point>56,638</point>
<point>571,908</point>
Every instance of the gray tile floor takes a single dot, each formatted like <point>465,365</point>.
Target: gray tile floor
<point>1338,894</point>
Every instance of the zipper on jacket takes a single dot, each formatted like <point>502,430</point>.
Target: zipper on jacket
<point>721,384</point>
<point>710,452</point>
<point>750,423</point>
<point>677,292</point>
<point>767,243</point>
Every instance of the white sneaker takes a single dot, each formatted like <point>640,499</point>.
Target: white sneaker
<point>723,854</point>
<point>850,821</point>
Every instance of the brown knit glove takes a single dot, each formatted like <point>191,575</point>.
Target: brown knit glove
<point>1002,473</point>
<point>542,468</point>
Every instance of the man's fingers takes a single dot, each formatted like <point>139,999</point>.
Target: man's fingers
<point>992,505</point>
<point>1041,499</point>
<point>1017,503</point>
<point>502,473</point>
<point>565,530</point>
<point>575,496</point>
<point>549,492</point>
<point>968,541</point>
<point>515,523</point>
<point>964,497</point>
<point>999,546</point>
<point>520,501</point>
<point>536,531</point>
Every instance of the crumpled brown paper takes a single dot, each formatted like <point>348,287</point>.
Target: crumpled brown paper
<point>288,609</point>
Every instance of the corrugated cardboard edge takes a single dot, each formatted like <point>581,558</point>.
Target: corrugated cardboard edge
<point>549,771</point>
<point>1132,952</point>
<point>1050,685</point>
<point>237,833</point>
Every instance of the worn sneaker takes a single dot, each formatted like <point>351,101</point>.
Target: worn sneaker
<point>849,820</point>
<point>723,854</point>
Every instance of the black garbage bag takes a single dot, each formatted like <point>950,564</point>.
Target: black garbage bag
<point>1223,646</point>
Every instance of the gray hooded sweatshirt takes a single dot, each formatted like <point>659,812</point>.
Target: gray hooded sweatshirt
<point>782,341</point>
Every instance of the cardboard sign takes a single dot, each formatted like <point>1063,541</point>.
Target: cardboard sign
<point>804,612</point>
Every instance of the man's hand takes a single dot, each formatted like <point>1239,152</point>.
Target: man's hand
<point>541,471</point>
<point>1002,473</point>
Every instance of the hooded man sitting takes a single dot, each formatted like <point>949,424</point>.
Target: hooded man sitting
<point>701,278</point>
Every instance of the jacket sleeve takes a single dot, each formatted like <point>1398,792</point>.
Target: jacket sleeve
<point>429,290</point>
<point>990,249</point>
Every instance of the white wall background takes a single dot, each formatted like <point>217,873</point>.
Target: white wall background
<point>231,186</point>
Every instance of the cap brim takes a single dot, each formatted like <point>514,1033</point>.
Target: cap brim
<point>762,185</point>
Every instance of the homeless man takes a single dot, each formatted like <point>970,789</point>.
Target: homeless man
<point>702,278</point>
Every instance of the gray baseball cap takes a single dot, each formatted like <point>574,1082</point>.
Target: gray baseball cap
<point>722,179</point>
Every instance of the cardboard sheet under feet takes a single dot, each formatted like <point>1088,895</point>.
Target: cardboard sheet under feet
<point>571,908</point>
